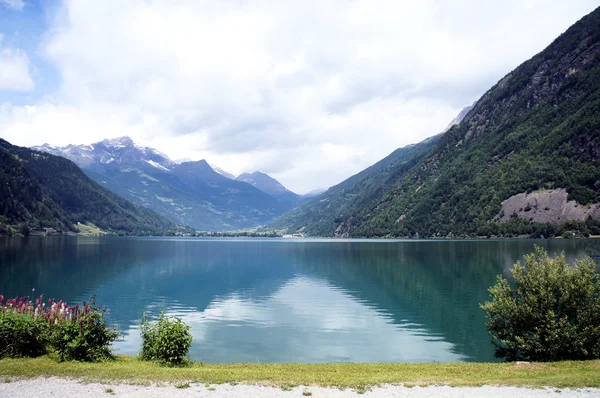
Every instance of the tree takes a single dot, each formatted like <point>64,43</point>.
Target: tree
<point>24,230</point>
<point>551,314</point>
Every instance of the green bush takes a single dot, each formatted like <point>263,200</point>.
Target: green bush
<point>552,313</point>
<point>167,340</point>
<point>21,335</point>
<point>83,337</point>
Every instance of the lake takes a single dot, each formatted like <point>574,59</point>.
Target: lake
<point>284,300</point>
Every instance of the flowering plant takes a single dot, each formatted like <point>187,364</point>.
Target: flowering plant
<point>75,332</point>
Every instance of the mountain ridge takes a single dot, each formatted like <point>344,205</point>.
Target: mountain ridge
<point>537,129</point>
<point>187,192</point>
<point>268,184</point>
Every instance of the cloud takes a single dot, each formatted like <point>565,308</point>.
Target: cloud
<point>309,91</point>
<point>14,69</point>
<point>16,5</point>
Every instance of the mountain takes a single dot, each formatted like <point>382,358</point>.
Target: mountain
<point>268,184</point>
<point>332,213</point>
<point>189,192</point>
<point>116,151</point>
<point>222,172</point>
<point>42,190</point>
<point>525,160</point>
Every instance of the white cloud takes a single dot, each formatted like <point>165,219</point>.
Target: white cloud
<point>13,4</point>
<point>14,70</point>
<point>309,91</point>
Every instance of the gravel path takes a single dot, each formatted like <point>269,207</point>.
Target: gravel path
<point>56,387</point>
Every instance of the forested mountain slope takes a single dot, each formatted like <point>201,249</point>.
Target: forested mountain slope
<point>533,136</point>
<point>333,212</point>
<point>43,190</point>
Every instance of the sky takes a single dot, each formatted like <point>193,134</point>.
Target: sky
<point>310,92</point>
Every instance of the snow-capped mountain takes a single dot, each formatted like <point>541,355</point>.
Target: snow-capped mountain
<point>117,151</point>
<point>188,192</point>
<point>221,171</point>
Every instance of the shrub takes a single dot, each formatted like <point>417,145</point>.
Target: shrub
<point>167,340</point>
<point>552,312</point>
<point>84,335</point>
<point>21,332</point>
<point>76,333</point>
<point>21,335</point>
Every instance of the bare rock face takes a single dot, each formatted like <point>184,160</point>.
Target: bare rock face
<point>459,118</point>
<point>344,230</point>
<point>547,206</point>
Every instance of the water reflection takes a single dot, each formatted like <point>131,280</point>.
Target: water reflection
<point>284,300</point>
<point>305,320</point>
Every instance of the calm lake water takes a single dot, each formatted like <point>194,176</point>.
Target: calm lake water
<point>284,300</point>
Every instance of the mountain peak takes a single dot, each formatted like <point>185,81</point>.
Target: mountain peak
<point>121,150</point>
<point>459,118</point>
<point>268,184</point>
<point>119,142</point>
<point>198,170</point>
<point>260,173</point>
<point>196,163</point>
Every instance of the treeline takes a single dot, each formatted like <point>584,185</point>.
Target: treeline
<point>510,229</point>
<point>241,234</point>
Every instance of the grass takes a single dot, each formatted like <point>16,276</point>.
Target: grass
<point>90,229</point>
<point>356,376</point>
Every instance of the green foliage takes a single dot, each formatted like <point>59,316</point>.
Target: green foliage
<point>167,340</point>
<point>86,337</point>
<point>21,335</point>
<point>552,312</point>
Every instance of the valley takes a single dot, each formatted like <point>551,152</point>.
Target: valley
<point>189,193</point>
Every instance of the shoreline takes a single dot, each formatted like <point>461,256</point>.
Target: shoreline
<point>287,238</point>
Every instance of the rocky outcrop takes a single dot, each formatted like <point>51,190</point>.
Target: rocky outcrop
<point>548,206</point>
<point>459,118</point>
<point>344,230</point>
